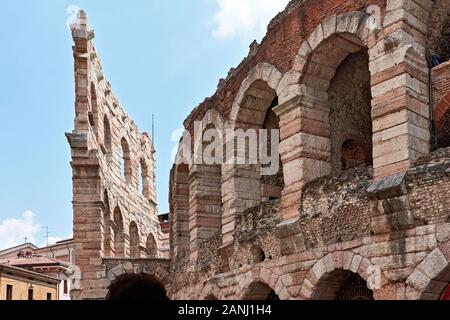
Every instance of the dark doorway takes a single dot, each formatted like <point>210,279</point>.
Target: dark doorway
<point>137,288</point>
<point>261,291</point>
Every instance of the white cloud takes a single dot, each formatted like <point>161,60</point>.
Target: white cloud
<point>245,17</point>
<point>13,231</point>
<point>53,240</point>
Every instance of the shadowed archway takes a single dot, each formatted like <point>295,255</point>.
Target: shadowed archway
<point>261,291</point>
<point>140,287</point>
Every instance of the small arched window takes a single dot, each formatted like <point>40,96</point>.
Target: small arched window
<point>134,240</point>
<point>107,135</point>
<point>144,179</point>
<point>94,107</point>
<point>119,239</point>
<point>126,160</point>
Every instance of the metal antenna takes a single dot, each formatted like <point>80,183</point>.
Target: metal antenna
<point>47,233</point>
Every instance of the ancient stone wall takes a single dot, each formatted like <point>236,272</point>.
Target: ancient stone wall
<point>337,233</point>
<point>350,87</point>
<point>114,200</point>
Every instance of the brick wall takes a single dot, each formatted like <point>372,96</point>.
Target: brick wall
<point>441,103</point>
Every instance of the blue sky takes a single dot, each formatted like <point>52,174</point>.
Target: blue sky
<point>161,57</point>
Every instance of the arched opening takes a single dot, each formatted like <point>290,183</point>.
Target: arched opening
<point>134,241</point>
<point>119,236</point>
<point>126,160</point>
<point>144,178</point>
<point>272,185</point>
<point>205,188</point>
<point>107,136</point>
<point>350,114</point>
<point>93,114</point>
<point>336,105</point>
<point>108,227</point>
<point>256,112</point>
<point>152,247</point>
<point>342,285</point>
<point>260,291</point>
<point>137,288</point>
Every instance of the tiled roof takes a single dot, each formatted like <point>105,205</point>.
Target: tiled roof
<point>28,272</point>
<point>34,261</point>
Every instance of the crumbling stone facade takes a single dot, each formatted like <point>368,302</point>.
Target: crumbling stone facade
<point>359,208</point>
<point>363,209</point>
<point>113,165</point>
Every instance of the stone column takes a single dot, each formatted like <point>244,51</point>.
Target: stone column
<point>400,105</point>
<point>204,205</point>
<point>180,213</point>
<point>304,148</point>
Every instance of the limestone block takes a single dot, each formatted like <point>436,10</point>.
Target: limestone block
<point>349,22</point>
<point>418,280</point>
<point>329,26</point>
<point>434,264</point>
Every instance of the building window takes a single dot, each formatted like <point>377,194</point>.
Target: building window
<point>30,294</point>
<point>49,296</point>
<point>66,288</point>
<point>9,292</point>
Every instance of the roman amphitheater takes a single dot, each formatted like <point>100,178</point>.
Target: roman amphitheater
<point>360,206</point>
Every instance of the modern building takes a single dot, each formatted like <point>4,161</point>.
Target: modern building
<point>20,284</point>
<point>56,261</point>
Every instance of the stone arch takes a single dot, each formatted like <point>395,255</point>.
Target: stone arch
<point>119,234</point>
<point>94,112</point>
<point>152,247</point>
<point>260,291</point>
<point>265,276</point>
<point>261,73</point>
<point>325,279</point>
<point>432,276</point>
<point>205,181</point>
<point>140,286</point>
<point>135,251</point>
<point>442,121</point>
<point>305,108</point>
<point>126,169</point>
<point>257,96</point>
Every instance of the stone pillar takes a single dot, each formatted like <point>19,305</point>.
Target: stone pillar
<point>400,105</point>
<point>180,213</point>
<point>240,190</point>
<point>204,205</point>
<point>304,148</point>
